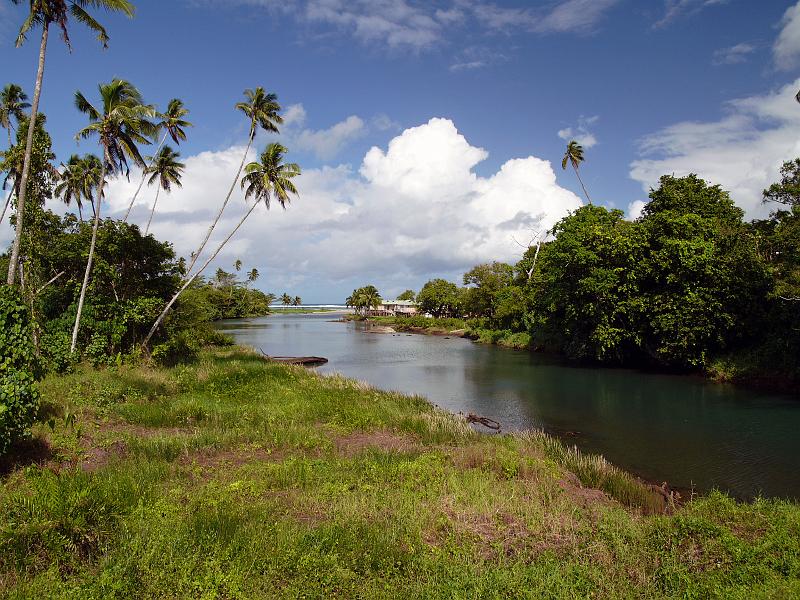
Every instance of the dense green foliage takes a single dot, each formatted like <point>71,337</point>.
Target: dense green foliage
<point>19,398</point>
<point>236,478</point>
<point>688,285</point>
<point>440,298</point>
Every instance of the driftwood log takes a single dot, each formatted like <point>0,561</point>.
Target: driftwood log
<point>485,421</point>
<point>306,361</point>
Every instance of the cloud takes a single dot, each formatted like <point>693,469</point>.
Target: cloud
<point>575,15</point>
<point>477,57</point>
<point>742,151</point>
<point>396,23</point>
<point>324,143</point>
<point>733,55</point>
<point>413,210</point>
<point>674,9</point>
<point>635,209</point>
<point>580,133</point>
<point>787,47</point>
<point>420,26</point>
<point>565,16</point>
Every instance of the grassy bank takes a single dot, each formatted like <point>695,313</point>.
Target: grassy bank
<point>237,478</point>
<point>300,311</point>
<point>460,327</point>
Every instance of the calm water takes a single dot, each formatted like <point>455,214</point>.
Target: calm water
<point>679,429</point>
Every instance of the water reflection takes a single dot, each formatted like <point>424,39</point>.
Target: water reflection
<point>684,430</point>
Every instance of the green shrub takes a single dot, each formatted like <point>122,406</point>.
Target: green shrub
<point>19,398</point>
<point>182,347</point>
<point>55,353</point>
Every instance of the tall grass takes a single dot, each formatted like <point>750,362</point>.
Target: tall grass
<point>237,478</point>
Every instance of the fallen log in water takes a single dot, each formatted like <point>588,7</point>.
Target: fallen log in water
<point>485,421</point>
<point>306,361</point>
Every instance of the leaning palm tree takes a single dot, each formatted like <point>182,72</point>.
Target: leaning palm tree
<point>121,123</point>
<point>268,179</point>
<point>92,175</point>
<point>166,169</point>
<point>13,102</point>
<point>263,110</point>
<point>574,156</point>
<point>70,186</point>
<point>46,13</point>
<point>174,125</point>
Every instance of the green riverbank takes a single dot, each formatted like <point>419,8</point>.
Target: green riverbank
<point>237,478</point>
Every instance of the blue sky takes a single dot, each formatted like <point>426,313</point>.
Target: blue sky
<point>389,196</point>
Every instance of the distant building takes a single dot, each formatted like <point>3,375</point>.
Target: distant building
<point>394,308</point>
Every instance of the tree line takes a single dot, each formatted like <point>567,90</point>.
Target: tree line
<point>689,284</point>
<point>105,289</point>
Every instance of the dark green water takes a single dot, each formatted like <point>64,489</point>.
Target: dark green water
<point>684,430</point>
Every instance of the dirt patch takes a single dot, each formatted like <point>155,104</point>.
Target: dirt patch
<point>211,459</point>
<point>98,457</point>
<point>582,496</point>
<point>380,439</point>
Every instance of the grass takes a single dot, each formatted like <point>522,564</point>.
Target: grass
<point>463,327</point>
<point>237,478</point>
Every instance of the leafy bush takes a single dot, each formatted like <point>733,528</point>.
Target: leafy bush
<point>180,348</point>
<point>19,398</point>
<point>56,357</point>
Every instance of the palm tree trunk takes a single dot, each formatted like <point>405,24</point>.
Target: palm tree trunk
<point>144,176</point>
<point>5,207</point>
<point>80,213</point>
<point>224,204</point>
<point>150,220</point>
<point>583,186</point>
<point>26,165</point>
<point>193,277</point>
<point>89,261</point>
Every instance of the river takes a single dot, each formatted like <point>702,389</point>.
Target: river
<point>685,430</point>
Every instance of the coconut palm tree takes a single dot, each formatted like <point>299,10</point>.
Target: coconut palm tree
<point>92,173</point>
<point>268,179</point>
<point>13,102</point>
<point>165,169</point>
<point>70,186</point>
<point>297,301</point>
<point>121,124</point>
<point>174,125</point>
<point>238,265</point>
<point>252,275</point>
<point>263,110</point>
<point>370,297</point>
<point>46,13</point>
<point>574,156</point>
<point>286,299</point>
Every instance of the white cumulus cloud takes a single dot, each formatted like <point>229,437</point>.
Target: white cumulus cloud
<point>413,210</point>
<point>580,133</point>
<point>742,152</point>
<point>787,47</point>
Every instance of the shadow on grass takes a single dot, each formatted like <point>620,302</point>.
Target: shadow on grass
<point>34,451</point>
